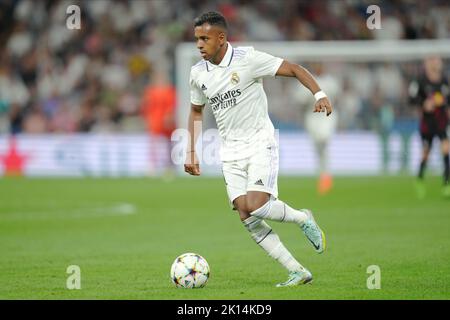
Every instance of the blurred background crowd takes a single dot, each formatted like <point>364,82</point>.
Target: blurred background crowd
<point>117,74</point>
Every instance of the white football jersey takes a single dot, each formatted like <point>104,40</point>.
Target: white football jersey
<point>234,91</point>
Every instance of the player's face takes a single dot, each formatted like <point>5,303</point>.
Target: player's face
<point>209,40</point>
<point>433,64</point>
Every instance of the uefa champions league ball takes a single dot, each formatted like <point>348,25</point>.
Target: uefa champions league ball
<point>189,270</point>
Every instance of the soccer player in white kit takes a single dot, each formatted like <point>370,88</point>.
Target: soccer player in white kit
<point>229,80</point>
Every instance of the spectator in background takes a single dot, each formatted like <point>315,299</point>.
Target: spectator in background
<point>42,62</point>
<point>158,109</point>
<point>16,116</point>
<point>382,121</point>
<point>35,122</point>
<point>86,118</point>
<point>392,28</point>
<point>361,82</point>
<point>350,105</point>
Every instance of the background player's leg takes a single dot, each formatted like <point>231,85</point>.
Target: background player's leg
<point>425,153</point>
<point>266,238</point>
<point>419,185</point>
<point>445,146</point>
<point>325,179</point>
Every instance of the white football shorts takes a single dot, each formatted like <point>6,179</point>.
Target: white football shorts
<point>259,172</point>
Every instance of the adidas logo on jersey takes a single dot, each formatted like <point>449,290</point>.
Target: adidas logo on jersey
<point>204,87</point>
<point>259,183</point>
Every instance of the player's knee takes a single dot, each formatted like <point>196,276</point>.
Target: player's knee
<point>240,205</point>
<point>254,203</point>
<point>244,215</point>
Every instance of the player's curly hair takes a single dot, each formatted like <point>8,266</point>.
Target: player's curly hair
<point>213,18</point>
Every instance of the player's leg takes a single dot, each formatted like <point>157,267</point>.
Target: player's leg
<point>445,148</point>
<point>262,194</point>
<point>270,242</point>
<point>235,177</point>
<point>265,237</point>
<point>427,141</point>
<point>262,189</point>
<point>264,205</point>
<point>321,132</point>
<point>325,179</point>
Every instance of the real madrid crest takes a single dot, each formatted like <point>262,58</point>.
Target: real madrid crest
<point>234,78</point>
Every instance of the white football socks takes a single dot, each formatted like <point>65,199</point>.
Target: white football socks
<point>269,241</point>
<point>277,210</point>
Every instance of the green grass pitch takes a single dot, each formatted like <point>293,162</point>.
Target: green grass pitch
<point>125,233</point>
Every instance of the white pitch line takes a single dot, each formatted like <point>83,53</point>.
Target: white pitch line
<point>119,209</point>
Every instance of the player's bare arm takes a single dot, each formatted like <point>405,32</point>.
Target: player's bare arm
<point>191,165</point>
<point>288,69</point>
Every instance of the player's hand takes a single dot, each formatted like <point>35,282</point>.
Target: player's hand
<point>323,105</point>
<point>428,105</point>
<point>191,164</point>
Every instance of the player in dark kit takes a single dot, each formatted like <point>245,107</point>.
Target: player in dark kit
<point>432,94</point>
